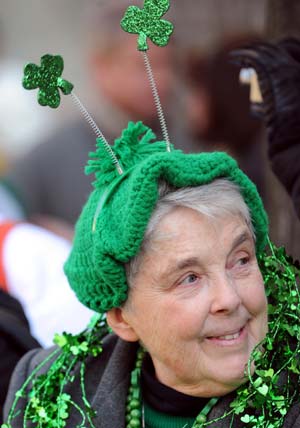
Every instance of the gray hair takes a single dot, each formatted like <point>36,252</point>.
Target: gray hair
<point>215,200</point>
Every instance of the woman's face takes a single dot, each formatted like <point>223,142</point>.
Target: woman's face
<point>198,302</point>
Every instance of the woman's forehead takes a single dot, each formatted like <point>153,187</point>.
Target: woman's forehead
<point>186,230</point>
<point>183,220</point>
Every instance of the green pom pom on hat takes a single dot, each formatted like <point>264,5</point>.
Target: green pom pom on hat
<point>95,267</point>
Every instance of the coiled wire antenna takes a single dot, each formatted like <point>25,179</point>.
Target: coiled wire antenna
<point>97,131</point>
<point>157,102</point>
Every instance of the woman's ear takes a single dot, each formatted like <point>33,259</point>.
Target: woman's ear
<point>120,326</point>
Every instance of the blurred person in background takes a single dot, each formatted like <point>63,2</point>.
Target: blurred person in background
<point>31,259</point>
<point>218,109</point>
<point>31,279</point>
<point>31,270</point>
<point>15,340</point>
<point>46,182</point>
<point>22,123</point>
<point>278,70</point>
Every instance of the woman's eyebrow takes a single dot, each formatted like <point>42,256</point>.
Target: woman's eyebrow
<point>192,261</point>
<point>240,239</point>
<point>182,264</point>
<point>185,263</point>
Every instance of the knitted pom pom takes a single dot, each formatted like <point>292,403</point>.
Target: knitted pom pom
<point>131,148</point>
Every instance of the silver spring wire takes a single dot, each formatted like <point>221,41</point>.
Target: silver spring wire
<point>97,131</point>
<point>159,109</point>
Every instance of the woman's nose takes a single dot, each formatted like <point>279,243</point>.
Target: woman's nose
<point>225,295</point>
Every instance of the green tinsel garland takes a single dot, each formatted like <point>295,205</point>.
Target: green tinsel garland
<point>278,354</point>
<point>262,402</point>
<point>48,406</point>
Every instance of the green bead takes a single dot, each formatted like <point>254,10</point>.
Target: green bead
<point>136,393</point>
<point>134,404</point>
<point>135,413</point>
<point>135,423</point>
<point>201,419</point>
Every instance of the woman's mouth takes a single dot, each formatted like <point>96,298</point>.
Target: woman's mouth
<point>228,339</point>
<point>230,336</point>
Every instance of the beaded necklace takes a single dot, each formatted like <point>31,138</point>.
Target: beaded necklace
<point>135,415</point>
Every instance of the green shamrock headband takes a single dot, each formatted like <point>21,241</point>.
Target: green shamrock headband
<point>145,22</point>
<point>127,176</point>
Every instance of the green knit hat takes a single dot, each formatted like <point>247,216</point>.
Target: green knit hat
<point>105,241</point>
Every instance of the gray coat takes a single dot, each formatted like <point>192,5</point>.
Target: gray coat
<point>107,381</point>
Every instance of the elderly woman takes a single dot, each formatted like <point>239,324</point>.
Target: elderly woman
<point>168,250</point>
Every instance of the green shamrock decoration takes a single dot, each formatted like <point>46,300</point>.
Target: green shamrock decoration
<point>147,22</point>
<point>47,77</point>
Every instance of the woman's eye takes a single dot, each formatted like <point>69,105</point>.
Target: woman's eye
<point>243,261</point>
<point>190,279</point>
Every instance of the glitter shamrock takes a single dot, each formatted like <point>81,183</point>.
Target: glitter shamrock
<point>147,22</point>
<point>47,77</point>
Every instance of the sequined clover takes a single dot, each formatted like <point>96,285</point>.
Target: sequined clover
<point>147,22</point>
<point>47,77</point>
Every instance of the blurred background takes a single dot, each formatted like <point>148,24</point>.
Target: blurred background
<point>43,151</point>
<point>206,107</point>
<point>30,29</point>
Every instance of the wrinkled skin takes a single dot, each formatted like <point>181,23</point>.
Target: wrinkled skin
<point>198,303</point>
